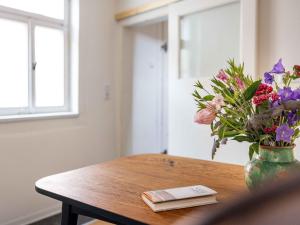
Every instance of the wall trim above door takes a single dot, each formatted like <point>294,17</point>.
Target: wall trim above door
<point>143,8</point>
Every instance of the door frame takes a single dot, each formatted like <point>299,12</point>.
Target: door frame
<point>248,31</point>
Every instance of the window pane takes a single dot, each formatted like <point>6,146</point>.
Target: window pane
<point>51,8</point>
<point>13,64</point>
<point>49,75</point>
<point>208,39</point>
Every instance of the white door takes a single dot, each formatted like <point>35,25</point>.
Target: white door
<point>144,91</point>
<point>203,35</point>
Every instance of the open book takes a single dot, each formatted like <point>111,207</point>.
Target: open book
<point>178,198</point>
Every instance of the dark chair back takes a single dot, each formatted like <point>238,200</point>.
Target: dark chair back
<point>275,204</point>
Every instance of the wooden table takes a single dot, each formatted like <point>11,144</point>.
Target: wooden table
<point>111,191</point>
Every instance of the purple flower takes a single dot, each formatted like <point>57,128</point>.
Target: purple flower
<point>284,133</point>
<point>268,78</point>
<point>278,68</point>
<point>286,94</point>
<point>292,118</point>
<point>275,104</point>
<point>296,94</point>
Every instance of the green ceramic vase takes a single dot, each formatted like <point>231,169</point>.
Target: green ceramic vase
<point>270,164</point>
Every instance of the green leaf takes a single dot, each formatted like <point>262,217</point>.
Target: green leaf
<point>212,126</point>
<point>215,128</point>
<point>264,137</point>
<point>297,132</point>
<point>198,85</point>
<point>253,149</point>
<point>208,97</point>
<point>242,138</point>
<point>250,91</point>
<point>201,105</point>
<point>218,83</point>
<point>232,133</point>
<point>231,122</point>
<point>221,132</point>
<point>196,95</point>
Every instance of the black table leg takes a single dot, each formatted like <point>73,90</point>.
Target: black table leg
<point>68,217</point>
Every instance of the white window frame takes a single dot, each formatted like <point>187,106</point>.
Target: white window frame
<point>33,20</point>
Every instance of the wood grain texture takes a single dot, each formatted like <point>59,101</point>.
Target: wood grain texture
<point>116,186</point>
<point>143,8</point>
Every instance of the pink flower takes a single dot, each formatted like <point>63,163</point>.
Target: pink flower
<point>240,83</point>
<point>205,116</point>
<point>222,76</point>
<point>218,102</point>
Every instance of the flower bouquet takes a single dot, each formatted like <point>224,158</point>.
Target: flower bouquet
<point>264,113</point>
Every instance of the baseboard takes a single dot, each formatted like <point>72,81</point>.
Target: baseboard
<point>36,216</point>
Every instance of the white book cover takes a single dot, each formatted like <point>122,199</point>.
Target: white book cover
<point>178,193</point>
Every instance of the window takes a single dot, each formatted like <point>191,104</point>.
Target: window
<point>34,57</point>
<point>204,50</point>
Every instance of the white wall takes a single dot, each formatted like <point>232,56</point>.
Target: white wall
<point>279,33</point>
<point>34,149</point>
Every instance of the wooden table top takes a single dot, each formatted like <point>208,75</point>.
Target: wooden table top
<point>116,186</point>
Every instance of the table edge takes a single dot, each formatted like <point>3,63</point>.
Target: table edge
<point>102,213</point>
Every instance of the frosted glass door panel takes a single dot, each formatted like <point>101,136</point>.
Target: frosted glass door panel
<point>13,64</point>
<point>49,74</point>
<point>208,39</point>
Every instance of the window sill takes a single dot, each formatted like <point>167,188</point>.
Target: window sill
<point>38,116</point>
